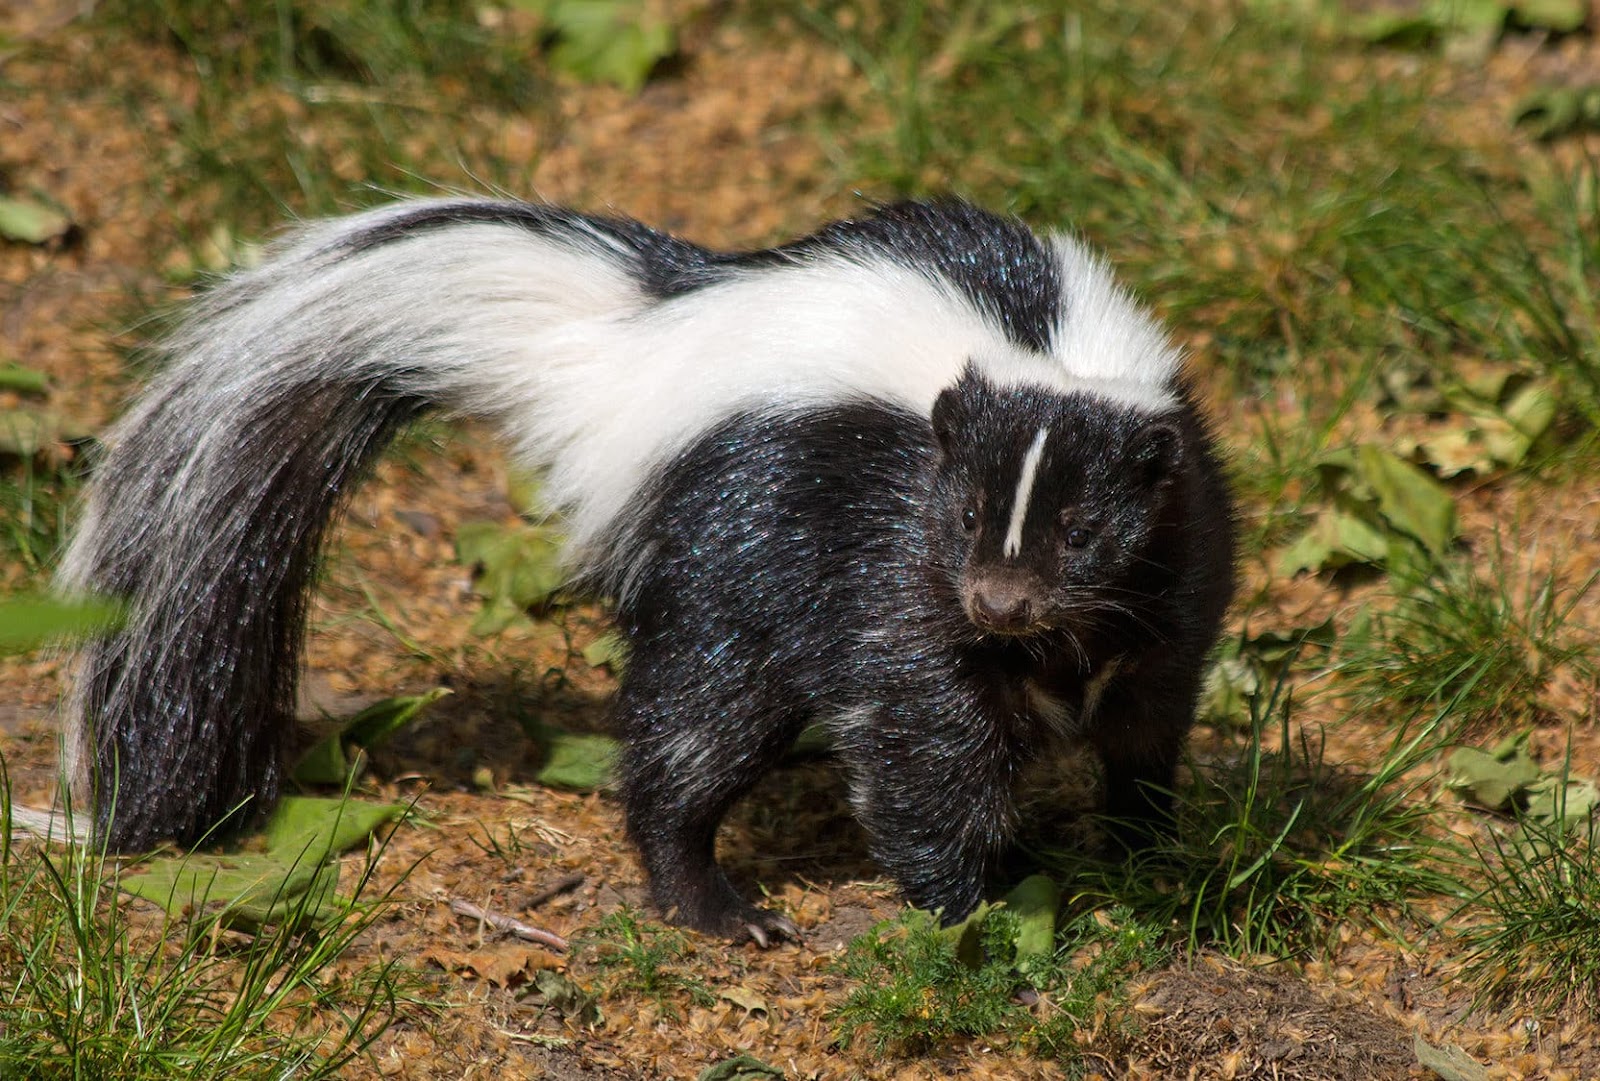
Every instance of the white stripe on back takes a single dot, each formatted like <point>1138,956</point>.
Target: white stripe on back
<point>1019,505</point>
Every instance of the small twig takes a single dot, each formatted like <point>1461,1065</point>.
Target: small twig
<point>555,889</point>
<point>509,925</point>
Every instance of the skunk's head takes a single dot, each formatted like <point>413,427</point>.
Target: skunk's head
<point>1047,503</point>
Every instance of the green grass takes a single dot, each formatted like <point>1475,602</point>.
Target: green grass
<point>306,109</point>
<point>96,988</point>
<point>1298,199</point>
<point>634,957</point>
<point>35,500</point>
<point>1277,847</point>
<point>1476,638</point>
<point>1535,939</point>
<point>912,993</point>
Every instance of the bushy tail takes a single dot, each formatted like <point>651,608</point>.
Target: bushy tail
<point>207,512</point>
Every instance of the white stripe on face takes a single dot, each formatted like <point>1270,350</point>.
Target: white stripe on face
<point>1019,504</point>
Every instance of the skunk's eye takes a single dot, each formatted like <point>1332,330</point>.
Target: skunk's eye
<point>1078,537</point>
<point>969,519</point>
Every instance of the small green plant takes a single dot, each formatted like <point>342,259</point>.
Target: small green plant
<point>916,989</point>
<point>913,992</point>
<point>635,957</point>
<point>1275,847</point>
<point>1540,943</point>
<point>1473,639</point>
<point>97,988</point>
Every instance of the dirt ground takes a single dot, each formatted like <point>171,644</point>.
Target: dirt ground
<point>719,151</point>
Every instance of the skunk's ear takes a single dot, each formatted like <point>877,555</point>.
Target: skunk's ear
<point>948,411</point>
<point>955,404</point>
<point>1157,453</point>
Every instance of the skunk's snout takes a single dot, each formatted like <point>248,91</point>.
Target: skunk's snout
<point>1003,603</point>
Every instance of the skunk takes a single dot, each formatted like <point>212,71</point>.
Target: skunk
<point>923,477</point>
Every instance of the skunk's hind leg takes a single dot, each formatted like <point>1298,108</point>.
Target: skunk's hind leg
<point>694,741</point>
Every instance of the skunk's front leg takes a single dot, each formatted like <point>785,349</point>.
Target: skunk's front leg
<point>932,783</point>
<point>1139,729</point>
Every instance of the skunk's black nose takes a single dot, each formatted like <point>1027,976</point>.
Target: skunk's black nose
<point>1003,606</point>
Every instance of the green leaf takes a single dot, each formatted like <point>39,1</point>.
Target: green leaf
<point>28,622</point>
<point>567,997</point>
<point>251,892</point>
<point>517,568</point>
<point>1419,28</point>
<point>1036,901</point>
<point>1449,1062</point>
<point>1553,111</point>
<point>291,884</point>
<point>574,761</point>
<point>1562,803</point>
<point>1336,538</point>
<point>1494,781</point>
<point>1562,16</point>
<point>26,432</point>
<point>965,939</point>
<point>739,1068</point>
<point>332,759</point>
<point>1247,663</point>
<point>523,493</point>
<point>1230,684</point>
<point>1498,416</point>
<point>31,222</point>
<point>610,650</point>
<point>322,827</point>
<point>22,380</point>
<point>612,41</point>
<point>1409,499</point>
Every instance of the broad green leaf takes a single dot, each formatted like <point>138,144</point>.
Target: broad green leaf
<point>27,622</point>
<point>1490,780</point>
<point>1553,111</point>
<point>251,891</point>
<point>30,221</point>
<point>383,719</point>
<point>1246,663</point>
<point>1449,1062</point>
<point>517,568</point>
<point>1335,539</point>
<point>1420,27</point>
<point>610,650</point>
<point>1562,16</point>
<point>331,760</point>
<point>1562,803</point>
<point>1229,685</point>
<point>324,827</point>
<point>1036,901</point>
<point>1409,499</point>
<point>966,938</point>
<point>1497,416</point>
<point>25,432</point>
<point>574,761</point>
<point>614,41</point>
<point>292,883</point>
<point>739,1068</point>
<point>522,492</point>
<point>567,997</point>
<point>22,380</point>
